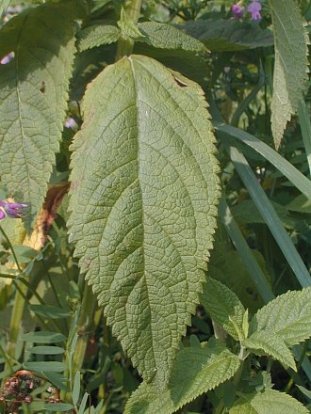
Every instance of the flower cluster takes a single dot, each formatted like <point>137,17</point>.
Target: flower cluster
<point>14,210</point>
<point>254,8</point>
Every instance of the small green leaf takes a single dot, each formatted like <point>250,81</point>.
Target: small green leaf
<point>291,63</point>
<point>270,344</point>
<point>245,324</point>
<point>268,402</point>
<point>76,388</point>
<point>288,316</point>
<point>42,366</point>
<point>300,204</point>
<point>143,201</point>
<point>129,30</point>
<point>43,337</point>
<point>224,307</point>
<point>58,407</point>
<point>195,371</point>
<point>166,36</point>
<point>83,403</point>
<point>98,35</point>
<point>46,350</point>
<point>229,35</point>
<point>58,380</point>
<point>49,311</point>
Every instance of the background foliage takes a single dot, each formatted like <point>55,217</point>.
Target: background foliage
<point>163,150</point>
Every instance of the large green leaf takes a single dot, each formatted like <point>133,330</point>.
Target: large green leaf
<point>196,371</point>
<point>288,316</point>
<point>229,35</point>
<point>143,201</point>
<point>290,67</point>
<point>33,94</point>
<point>268,402</point>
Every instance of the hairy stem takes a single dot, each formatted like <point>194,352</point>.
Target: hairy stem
<point>125,45</point>
<point>79,337</point>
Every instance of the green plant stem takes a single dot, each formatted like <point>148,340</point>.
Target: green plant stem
<point>85,327</point>
<point>16,318</point>
<point>125,45</point>
<point>11,248</point>
<point>18,307</point>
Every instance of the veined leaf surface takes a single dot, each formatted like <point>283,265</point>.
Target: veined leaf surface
<point>224,307</point>
<point>290,67</point>
<point>33,94</point>
<point>143,200</point>
<point>268,402</point>
<point>288,316</point>
<point>265,342</point>
<point>196,370</point>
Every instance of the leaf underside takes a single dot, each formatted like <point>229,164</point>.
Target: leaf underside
<point>196,371</point>
<point>33,95</point>
<point>143,201</point>
<point>290,66</point>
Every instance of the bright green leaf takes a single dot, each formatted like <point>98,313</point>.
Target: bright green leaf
<point>143,200</point>
<point>288,316</point>
<point>33,95</point>
<point>268,402</point>
<point>224,307</point>
<point>290,67</point>
<point>270,344</point>
<point>195,371</point>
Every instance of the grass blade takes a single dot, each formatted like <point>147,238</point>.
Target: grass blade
<point>287,169</point>
<point>271,218</point>
<point>245,253</point>
<point>305,126</point>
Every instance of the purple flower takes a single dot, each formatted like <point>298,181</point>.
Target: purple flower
<point>7,58</point>
<point>254,9</point>
<point>71,123</point>
<point>237,10</point>
<point>14,210</point>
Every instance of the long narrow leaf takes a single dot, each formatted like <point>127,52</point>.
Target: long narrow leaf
<point>245,253</point>
<point>288,170</point>
<point>271,218</point>
<point>305,126</point>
